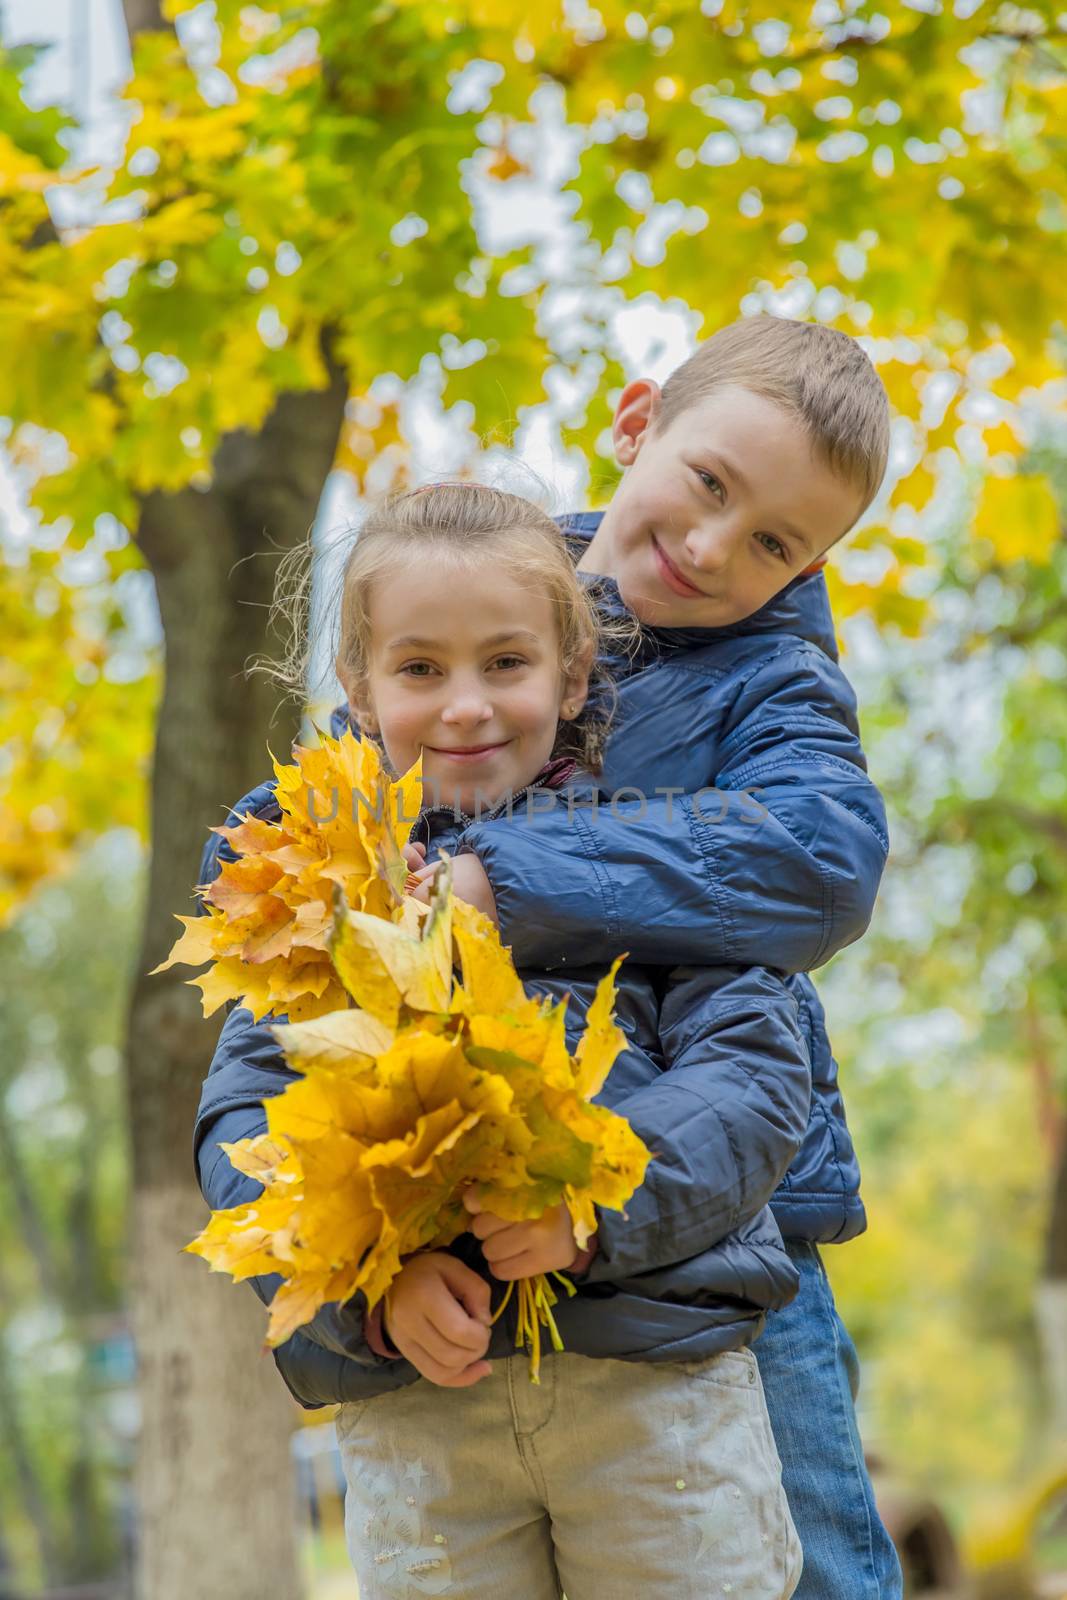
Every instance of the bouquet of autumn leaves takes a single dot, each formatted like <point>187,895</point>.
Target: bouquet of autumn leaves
<point>414,1082</point>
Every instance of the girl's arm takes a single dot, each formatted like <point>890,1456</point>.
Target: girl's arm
<point>778,860</point>
<point>723,1121</point>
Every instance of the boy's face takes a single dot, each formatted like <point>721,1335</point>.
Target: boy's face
<point>718,512</point>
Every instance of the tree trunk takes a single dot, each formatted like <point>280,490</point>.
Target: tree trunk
<point>215,1487</point>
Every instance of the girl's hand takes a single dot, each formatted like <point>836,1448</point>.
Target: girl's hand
<point>438,1317</point>
<point>414,856</point>
<point>469,883</point>
<point>523,1249</point>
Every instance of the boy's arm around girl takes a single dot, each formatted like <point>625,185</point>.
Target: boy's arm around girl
<point>772,856</point>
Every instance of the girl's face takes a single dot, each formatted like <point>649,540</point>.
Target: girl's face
<point>464,667</point>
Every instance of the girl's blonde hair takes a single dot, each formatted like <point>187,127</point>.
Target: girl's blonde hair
<point>482,529</point>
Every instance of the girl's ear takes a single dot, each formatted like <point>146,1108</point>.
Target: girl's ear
<point>575,691</point>
<point>360,709</point>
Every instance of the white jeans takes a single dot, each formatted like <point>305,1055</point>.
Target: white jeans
<point>611,1480</point>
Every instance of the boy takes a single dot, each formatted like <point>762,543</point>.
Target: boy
<point>760,453</point>
<point>750,834</point>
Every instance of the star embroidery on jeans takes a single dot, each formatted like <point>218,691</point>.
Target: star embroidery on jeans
<point>676,1425</point>
<point>416,1471</point>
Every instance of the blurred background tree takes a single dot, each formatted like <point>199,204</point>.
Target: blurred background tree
<point>327,230</point>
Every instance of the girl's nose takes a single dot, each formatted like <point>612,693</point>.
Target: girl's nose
<point>466,710</point>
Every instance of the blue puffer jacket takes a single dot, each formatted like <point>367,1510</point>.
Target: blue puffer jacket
<point>780,865</point>
<point>769,850</point>
<point>715,1080</point>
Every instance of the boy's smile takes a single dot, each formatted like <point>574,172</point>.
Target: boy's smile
<point>717,512</point>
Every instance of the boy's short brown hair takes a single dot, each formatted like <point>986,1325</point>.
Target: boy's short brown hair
<point>817,374</point>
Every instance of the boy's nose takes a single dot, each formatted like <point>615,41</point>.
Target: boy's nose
<point>709,549</point>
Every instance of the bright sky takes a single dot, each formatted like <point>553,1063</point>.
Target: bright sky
<point>88,54</point>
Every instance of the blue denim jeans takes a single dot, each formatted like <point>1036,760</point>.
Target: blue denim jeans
<point>810,1378</point>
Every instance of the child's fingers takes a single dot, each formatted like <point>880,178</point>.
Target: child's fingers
<point>447,1375</point>
<point>446,1350</point>
<point>498,1252</point>
<point>414,856</point>
<point>485,1224</point>
<point>420,884</point>
<point>516,1267</point>
<point>469,1376</point>
<point>457,1332</point>
<point>468,1288</point>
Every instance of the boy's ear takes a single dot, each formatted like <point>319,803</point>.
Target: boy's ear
<point>635,413</point>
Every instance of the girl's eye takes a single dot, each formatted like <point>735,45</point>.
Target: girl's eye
<point>417,669</point>
<point>710,481</point>
<point>773,546</point>
<point>509,662</point>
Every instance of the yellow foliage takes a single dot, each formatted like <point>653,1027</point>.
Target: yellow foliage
<point>954,1199</point>
<point>505,165</point>
<point>1020,518</point>
<point>885,601</point>
<point>401,1105</point>
<point>917,488</point>
<point>370,431</point>
<point>270,913</point>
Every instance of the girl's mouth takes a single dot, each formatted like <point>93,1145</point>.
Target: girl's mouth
<point>466,753</point>
<point>671,576</point>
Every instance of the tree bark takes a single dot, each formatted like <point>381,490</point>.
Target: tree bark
<point>215,1487</point>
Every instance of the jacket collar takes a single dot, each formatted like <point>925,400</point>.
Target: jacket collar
<point>802,608</point>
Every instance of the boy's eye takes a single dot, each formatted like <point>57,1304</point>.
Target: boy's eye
<point>773,546</point>
<point>710,481</point>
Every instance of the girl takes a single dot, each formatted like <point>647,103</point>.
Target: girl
<point>643,1463</point>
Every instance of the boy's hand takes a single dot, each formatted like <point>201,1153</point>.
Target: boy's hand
<point>438,1317</point>
<point>523,1249</point>
<point>469,883</point>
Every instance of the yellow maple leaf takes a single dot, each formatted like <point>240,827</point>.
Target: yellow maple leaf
<point>269,914</point>
<point>338,1040</point>
<point>602,1040</point>
<point>490,982</point>
<point>423,1087</point>
<point>384,967</point>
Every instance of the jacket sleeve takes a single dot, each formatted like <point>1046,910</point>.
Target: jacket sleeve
<point>249,1067</point>
<point>723,1120</point>
<point>776,860</point>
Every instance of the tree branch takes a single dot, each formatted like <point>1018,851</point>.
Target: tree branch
<point>144,16</point>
